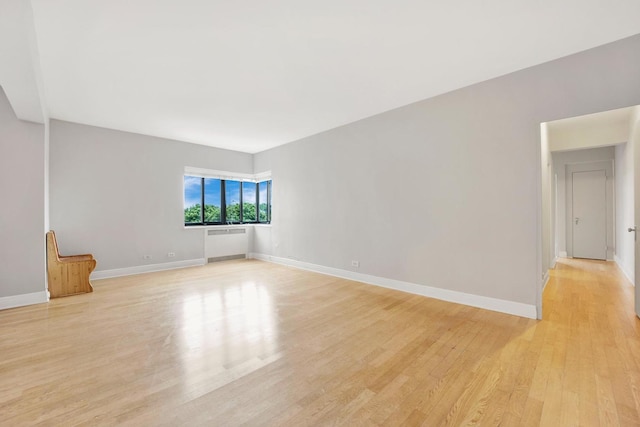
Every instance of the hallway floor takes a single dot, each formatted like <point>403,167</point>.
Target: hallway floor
<point>591,349</point>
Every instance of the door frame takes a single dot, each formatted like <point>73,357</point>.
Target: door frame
<point>608,167</point>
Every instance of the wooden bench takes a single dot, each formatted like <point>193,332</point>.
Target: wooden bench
<point>68,275</point>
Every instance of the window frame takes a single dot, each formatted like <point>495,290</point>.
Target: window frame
<point>224,219</point>
<point>204,191</point>
<point>268,203</point>
<point>188,224</point>
<point>223,202</point>
<point>242,184</point>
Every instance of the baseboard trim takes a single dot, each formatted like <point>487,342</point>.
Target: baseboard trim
<point>128,271</point>
<point>24,299</point>
<point>545,280</point>
<point>629,276</point>
<point>563,254</point>
<point>487,303</point>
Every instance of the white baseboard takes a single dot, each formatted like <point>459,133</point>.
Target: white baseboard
<point>563,254</point>
<point>24,299</point>
<point>545,280</point>
<point>629,275</point>
<point>487,303</point>
<point>128,271</point>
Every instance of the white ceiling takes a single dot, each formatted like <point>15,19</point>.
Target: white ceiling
<point>19,72</point>
<point>253,74</point>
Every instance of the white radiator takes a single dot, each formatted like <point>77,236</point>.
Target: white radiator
<point>225,243</point>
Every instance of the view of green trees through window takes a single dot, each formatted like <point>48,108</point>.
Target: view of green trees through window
<point>263,191</point>
<point>212,200</point>
<point>249,213</point>
<point>225,201</point>
<point>232,199</point>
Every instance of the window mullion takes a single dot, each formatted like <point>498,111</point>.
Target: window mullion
<point>241,207</point>
<point>257,202</point>
<point>223,202</point>
<point>202,201</point>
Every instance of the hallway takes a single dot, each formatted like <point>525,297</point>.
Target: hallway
<point>591,351</point>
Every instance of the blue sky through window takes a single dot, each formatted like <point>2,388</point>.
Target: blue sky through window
<point>249,192</point>
<point>232,192</point>
<point>212,192</point>
<point>192,191</point>
<point>263,192</point>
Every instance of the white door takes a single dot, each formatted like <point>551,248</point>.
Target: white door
<point>589,214</point>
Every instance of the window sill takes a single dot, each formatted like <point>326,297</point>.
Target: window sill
<point>199,227</point>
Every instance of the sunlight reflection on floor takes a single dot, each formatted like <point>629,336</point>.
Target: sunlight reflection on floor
<point>236,325</point>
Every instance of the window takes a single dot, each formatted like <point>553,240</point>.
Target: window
<point>232,201</point>
<point>225,201</point>
<point>249,207</point>
<point>264,201</point>
<point>192,200</point>
<point>212,200</point>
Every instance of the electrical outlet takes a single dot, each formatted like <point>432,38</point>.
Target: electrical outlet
<point>147,257</point>
<point>355,263</point>
<point>171,254</point>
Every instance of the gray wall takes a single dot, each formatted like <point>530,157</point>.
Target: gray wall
<point>444,192</point>
<point>22,268</point>
<point>119,195</point>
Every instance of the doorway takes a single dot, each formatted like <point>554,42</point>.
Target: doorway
<point>619,132</point>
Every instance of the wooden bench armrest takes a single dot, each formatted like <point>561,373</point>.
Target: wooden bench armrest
<point>71,258</point>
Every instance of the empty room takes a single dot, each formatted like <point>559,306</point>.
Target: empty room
<point>331,213</point>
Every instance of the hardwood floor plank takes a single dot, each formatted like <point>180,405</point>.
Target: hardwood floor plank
<point>252,343</point>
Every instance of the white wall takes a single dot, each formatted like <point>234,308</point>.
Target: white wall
<point>22,274</point>
<point>443,192</point>
<point>119,195</point>
<point>603,157</point>
<point>625,245</point>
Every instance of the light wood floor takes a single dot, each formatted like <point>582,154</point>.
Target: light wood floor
<point>251,343</point>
